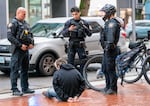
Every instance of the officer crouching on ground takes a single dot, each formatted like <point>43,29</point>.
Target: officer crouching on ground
<point>76,29</point>
<point>21,41</point>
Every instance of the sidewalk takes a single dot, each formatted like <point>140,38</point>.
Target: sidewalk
<point>137,94</point>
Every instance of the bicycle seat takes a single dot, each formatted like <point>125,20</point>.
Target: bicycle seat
<point>134,44</point>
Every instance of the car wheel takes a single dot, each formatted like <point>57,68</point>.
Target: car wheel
<point>6,72</point>
<point>46,64</point>
<point>131,37</point>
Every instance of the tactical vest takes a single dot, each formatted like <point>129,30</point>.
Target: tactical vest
<point>78,33</point>
<point>23,33</point>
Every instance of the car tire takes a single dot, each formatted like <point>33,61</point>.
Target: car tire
<point>46,64</point>
<point>6,72</point>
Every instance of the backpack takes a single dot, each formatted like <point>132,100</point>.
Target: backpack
<point>124,61</point>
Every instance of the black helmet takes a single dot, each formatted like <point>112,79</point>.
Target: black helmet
<point>109,10</point>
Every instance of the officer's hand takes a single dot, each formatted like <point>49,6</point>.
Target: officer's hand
<point>30,46</point>
<point>24,47</point>
<point>72,27</point>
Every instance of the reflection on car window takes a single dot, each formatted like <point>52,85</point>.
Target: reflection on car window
<point>46,29</point>
<point>144,24</point>
<point>95,27</point>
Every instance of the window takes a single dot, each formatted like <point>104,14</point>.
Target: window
<point>35,11</point>
<point>95,27</point>
<point>143,24</point>
<point>46,29</point>
<point>140,1</point>
<point>13,5</point>
<point>38,9</point>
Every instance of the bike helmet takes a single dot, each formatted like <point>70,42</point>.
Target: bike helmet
<point>109,10</point>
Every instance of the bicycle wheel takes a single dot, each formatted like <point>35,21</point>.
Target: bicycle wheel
<point>90,70</point>
<point>146,69</point>
<point>134,73</point>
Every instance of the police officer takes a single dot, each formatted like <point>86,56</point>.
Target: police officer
<point>76,29</point>
<point>21,41</point>
<point>109,39</point>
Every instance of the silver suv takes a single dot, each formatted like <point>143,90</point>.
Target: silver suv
<point>50,45</point>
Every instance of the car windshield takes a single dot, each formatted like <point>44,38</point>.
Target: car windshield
<point>46,29</point>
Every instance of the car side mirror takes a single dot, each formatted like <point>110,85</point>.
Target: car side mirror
<point>148,35</point>
<point>61,36</point>
<point>58,36</point>
<point>54,34</point>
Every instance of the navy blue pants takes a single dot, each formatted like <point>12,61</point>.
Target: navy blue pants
<point>19,62</point>
<point>109,69</point>
<point>81,53</point>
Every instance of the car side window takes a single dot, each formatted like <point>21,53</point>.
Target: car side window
<point>46,29</point>
<point>95,27</point>
<point>144,24</point>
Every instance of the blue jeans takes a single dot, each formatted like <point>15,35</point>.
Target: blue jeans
<point>51,93</point>
<point>19,62</point>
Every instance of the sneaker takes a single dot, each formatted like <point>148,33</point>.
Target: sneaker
<point>17,93</point>
<point>99,74</point>
<point>28,91</point>
<point>111,92</point>
<point>44,93</point>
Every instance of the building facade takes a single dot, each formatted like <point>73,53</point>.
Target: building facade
<point>36,10</point>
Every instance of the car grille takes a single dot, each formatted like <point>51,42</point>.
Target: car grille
<point>4,48</point>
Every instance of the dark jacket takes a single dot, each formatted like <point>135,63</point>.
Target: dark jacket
<point>14,32</point>
<point>111,34</point>
<point>82,29</point>
<point>68,82</point>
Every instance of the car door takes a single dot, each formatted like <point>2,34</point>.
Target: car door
<point>142,28</point>
<point>92,42</point>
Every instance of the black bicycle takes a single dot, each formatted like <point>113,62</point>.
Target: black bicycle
<point>139,67</point>
<point>146,68</point>
<point>136,69</point>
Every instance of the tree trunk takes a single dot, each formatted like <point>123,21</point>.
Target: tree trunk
<point>84,7</point>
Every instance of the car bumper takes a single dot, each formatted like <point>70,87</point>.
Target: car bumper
<point>6,67</point>
<point>5,64</point>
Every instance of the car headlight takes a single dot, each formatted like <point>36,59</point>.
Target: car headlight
<point>4,48</point>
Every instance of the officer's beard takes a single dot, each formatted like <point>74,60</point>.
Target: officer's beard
<point>106,17</point>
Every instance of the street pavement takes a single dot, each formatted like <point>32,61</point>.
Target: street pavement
<point>137,94</point>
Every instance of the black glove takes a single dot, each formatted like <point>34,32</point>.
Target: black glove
<point>110,46</point>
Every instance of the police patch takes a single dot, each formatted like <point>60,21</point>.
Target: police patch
<point>110,25</point>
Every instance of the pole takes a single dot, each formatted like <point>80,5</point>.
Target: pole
<point>67,7</point>
<point>133,21</point>
<point>3,18</point>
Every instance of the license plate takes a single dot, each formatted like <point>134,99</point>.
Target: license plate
<point>2,60</point>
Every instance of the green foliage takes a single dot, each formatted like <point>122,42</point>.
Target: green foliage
<point>138,14</point>
<point>82,6</point>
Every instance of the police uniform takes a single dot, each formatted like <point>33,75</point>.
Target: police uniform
<point>76,40</point>
<point>110,38</point>
<point>19,33</point>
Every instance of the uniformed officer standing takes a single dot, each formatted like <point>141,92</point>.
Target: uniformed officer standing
<point>76,29</point>
<point>109,40</point>
<point>21,41</point>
